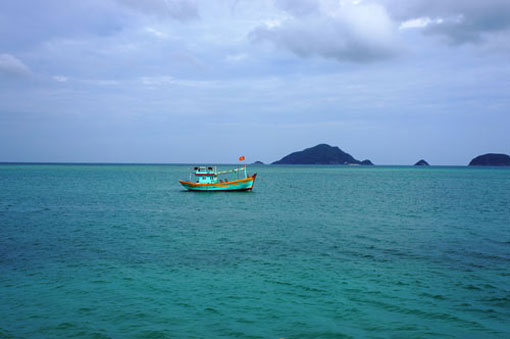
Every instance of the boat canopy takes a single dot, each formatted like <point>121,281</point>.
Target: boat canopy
<point>204,170</point>
<point>231,171</point>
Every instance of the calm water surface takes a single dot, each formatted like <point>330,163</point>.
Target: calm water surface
<point>313,252</point>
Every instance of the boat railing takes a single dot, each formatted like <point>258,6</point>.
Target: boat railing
<point>235,171</point>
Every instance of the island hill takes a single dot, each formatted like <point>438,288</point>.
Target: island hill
<point>422,163</point>
<point>324,154</point>
<point>491,159</point>
<point>321,154</point>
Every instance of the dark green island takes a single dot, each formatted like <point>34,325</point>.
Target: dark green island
<point>422,163</point>
<point>491,159</point>
<point>321,154</point>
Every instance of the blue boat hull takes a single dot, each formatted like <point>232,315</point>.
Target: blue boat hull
<point>236,185</point>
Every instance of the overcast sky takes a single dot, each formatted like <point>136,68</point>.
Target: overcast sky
<point>194,81</point>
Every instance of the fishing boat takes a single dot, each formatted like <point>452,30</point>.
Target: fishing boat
<point>208,178</point>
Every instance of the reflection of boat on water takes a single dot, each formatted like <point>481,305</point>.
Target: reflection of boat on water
<point>209,179</point>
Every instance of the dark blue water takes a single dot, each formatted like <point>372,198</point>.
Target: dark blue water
<point>313,252</point>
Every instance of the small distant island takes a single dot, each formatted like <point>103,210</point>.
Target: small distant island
<point>422,163</point>
<point>321,154</point>
<point>258,162</point>
<point>491,159</point>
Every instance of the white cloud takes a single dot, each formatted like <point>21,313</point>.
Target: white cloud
<point>60,78</point>
<point>156,33</point>
<point>272,23</point>
<point>459,21</point>
<point>12,66</point>
<point>415,23</point>
<point>349,31</point>
<point>421,22</point>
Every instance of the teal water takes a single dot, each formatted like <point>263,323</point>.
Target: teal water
<point>313,252</point>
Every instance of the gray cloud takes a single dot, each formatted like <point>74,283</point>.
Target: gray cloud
<point>12,67</point>
<point>183,10</point>
<point>459,21</point>
<point>356,33</point>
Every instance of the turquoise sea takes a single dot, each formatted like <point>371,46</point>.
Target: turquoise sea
<point>121,251</point>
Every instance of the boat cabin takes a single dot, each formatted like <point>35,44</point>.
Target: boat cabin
<point>206,175</point>
<point>209,175</point>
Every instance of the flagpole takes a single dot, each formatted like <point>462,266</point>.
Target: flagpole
<point>243,158</point>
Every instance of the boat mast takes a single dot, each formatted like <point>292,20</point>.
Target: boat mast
<point>242,158</point>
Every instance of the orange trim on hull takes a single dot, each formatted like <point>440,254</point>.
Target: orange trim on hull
<point>193,185</point>
<point>219,184</point>
<point>212,185</point>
